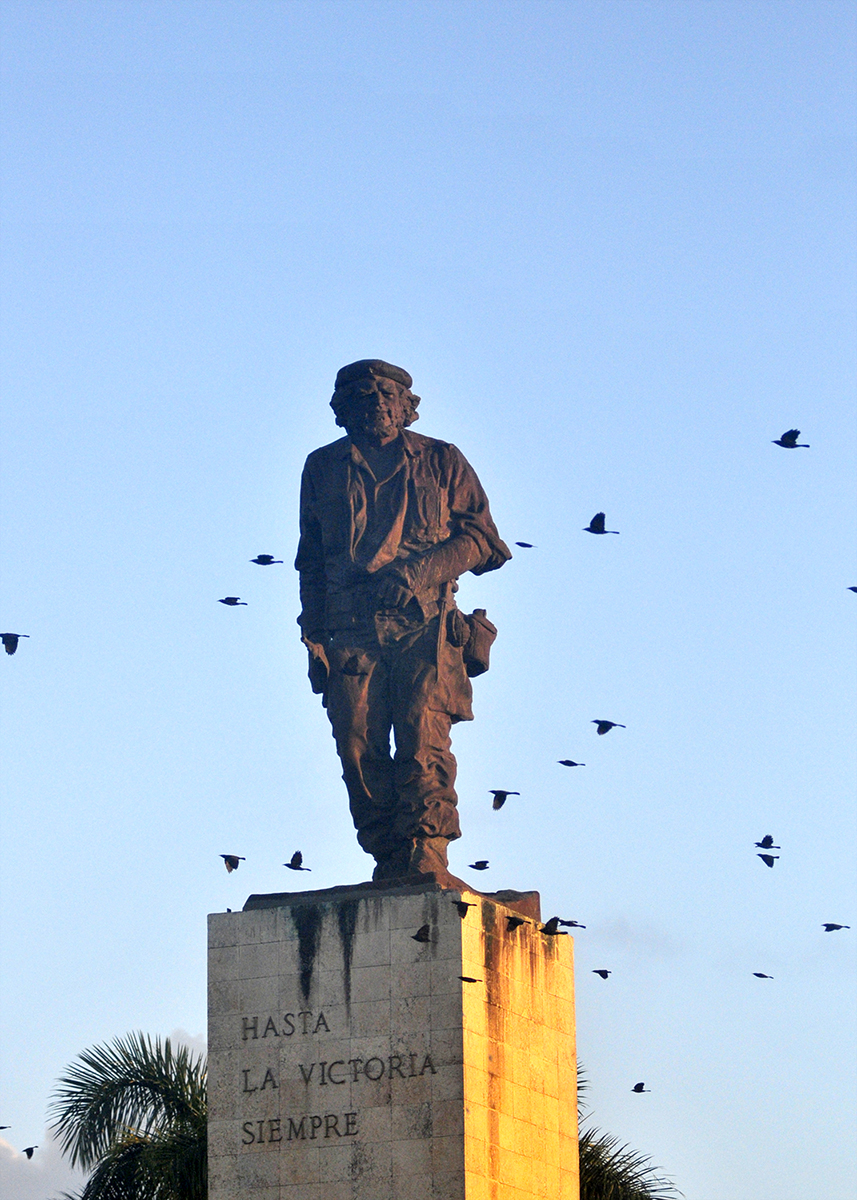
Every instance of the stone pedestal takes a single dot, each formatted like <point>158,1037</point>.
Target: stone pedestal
<point>348,1061</point>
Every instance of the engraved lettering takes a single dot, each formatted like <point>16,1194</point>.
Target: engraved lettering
<point>260,1136</point>
<point>249,1023</point>
<point>245,1088</point>
<point>355,1063</point>
<point>339,1063</point>
<point>368,1073</point>
<point>274,1128</point>
<point>428,1065</point>
<point>350,1124</point>
<point>297,1131</point>
<point>315,1124</point>
<point>288,1024</point>
<point>247,1139</point>
<point>321,1022</point>
<point>307,1074</point>
<point>396,1065</point>
<point>331,1122</point>
<point>323,1080</point>
<point>269,1077</point>
<point>304,1015</point>
<point>273,1028</point>
<point>413,1059</point>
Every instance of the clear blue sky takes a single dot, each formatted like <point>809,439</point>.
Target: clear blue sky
<point>614,245</point>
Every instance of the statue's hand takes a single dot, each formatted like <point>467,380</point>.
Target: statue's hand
<point>319,668</point>
<point>392,592</point>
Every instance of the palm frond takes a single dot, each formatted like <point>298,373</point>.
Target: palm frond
<point>611,1171</point>
<point>132,1083</point>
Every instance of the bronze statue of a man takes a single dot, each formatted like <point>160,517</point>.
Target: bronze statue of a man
<point>389,521</point>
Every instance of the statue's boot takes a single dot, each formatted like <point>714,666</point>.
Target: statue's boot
<point>428,857</point>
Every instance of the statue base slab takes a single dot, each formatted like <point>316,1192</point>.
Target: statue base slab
<point>349,1060</point>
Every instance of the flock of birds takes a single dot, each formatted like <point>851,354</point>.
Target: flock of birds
<point>551,928</point>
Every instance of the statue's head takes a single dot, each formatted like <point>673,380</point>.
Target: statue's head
<point>374,398</point>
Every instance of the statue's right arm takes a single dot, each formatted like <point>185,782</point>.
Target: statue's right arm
<point>310,565</point>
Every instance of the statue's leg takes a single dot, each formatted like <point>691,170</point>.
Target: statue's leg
<point>424,765</point>
<point>360,712</point>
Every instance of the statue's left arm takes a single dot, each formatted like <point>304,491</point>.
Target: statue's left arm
<point>473,543</point>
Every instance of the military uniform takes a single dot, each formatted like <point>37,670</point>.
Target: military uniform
<point>383,669</point>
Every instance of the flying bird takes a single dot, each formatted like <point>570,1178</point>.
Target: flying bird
<point>767,843</point>
<point>768,859</point>
<point>29,1151</point>
<point>831,927</point>
<point>606,726</point>
<point>481,864</point>
<point>525,545</point>
<point>462,906</point>
<point>640,1087</point>
<point>852,589</point>
<point>423,934</point>
<point>5,1126</point>
<point>468,979</point>
<point>514,923</point>
<point>232,601</point>
<point>789,440</point>
<point>500,797</point>
<point>596,525</point>
<point>762,975</point>
<point>567,762</point>
<point>265,560</point>
<point>571,924</point>
<point>603,974</point>
<point>231,861</point>
<point>551,928</point>
<point>294,863</point>
<point>10,641</point>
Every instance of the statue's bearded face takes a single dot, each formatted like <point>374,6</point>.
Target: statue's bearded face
<point>374,410</point>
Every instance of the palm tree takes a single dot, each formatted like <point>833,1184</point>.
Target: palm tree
<point>611,1171</point>
<point>134,1112</point>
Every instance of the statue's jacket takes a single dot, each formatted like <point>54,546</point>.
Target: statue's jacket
<point>428,521</point>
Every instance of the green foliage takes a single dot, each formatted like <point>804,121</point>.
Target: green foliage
<point>134,1113</point>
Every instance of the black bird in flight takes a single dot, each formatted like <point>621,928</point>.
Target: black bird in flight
<point>423,934</point>
<point>762,975</point>
<point>5,1126</point>
<point>10,641</point>
<point>571,924</point>
<point>481,864</point>
<point>500,797</point>
<point>606,726</point>
<point>525,545</point>
<point>640,1087</point>
<point>789,440</point>
<point>514,923</point>
<point>596,525</point>
<point>468,979</point>
<point>567,762</point>
<point>603,974</point>
<point>294,863</point>
<point>852,589</point>
<point>831,927</point>
<point>462,906</point>
<point>552,929</point>
<point>29,1151</point>
<point>767,843</point>
<point>265,560</point>
<point>768,859</point>
<point>232,860</point>
<point>232,601</point>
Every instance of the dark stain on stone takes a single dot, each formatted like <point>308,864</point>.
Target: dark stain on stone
<point>307,919</point>
<point>346,916</point>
